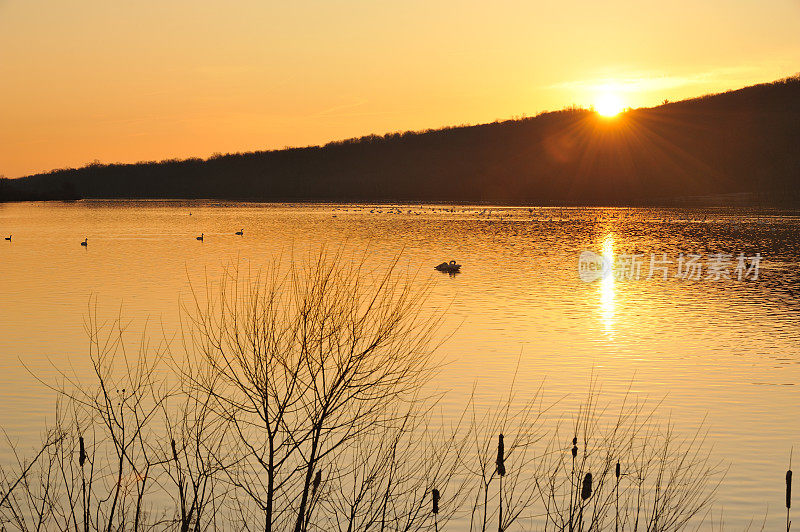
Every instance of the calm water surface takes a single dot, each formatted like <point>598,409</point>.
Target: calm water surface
<point>726,351</point>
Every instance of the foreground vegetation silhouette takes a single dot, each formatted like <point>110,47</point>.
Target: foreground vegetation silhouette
<point>740,146</point>
<point>296,400</point>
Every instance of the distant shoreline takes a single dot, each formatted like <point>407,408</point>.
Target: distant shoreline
<point>677,203</point>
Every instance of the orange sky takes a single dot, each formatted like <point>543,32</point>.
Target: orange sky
<point>139,80</point>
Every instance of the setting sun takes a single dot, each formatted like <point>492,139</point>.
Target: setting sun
<point>608,105</point>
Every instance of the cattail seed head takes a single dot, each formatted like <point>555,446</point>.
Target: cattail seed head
<point>501,461</point>
<point>435,497</point>
<point>788,489</point>
<point>574,451</point>
<point>317,481</point>
<point>617,470</point>
<point>174,451</point>
<point>575,440</point>
<point>81,452</point>
<point>586,491</point>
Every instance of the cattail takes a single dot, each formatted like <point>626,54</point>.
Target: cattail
<point>586,491</point>
<point>501,461</point>
<point>788,495</point>
<point>174,451</point>
<point>82,452</point>
<point>435,496</point>
<point>574,447</point>
<point>616,499</point>
<point>317,481</point>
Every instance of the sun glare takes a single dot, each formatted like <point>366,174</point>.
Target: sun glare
<point>608,105</point>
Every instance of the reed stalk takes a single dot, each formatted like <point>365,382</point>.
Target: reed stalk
<point>788,499</point>
<point>572,497</point>
<point>501,471</point>
<point>586,492</point>
<point>435,509</point>
<point>616,499</point>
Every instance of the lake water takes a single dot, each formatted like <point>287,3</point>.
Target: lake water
<point>726,350</point>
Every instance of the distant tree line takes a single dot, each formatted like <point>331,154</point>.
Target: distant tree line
<point>12,190</point>
<point>740,142</point>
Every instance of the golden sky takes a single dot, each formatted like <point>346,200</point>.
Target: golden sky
<point>129,80</point>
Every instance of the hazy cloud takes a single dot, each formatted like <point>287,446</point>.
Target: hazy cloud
<point>640,82</point>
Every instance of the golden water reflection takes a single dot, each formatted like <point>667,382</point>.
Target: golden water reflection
<point>728,352</point>
<point>607,288</point>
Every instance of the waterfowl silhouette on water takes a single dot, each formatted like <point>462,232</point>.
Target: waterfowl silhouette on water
<point>85,242</point>
<point>200,238</point>
<point>8,238</point>
<point>448,267</point>
<point>240,233</point>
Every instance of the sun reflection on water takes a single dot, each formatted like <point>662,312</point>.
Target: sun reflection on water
<point>607,288</point>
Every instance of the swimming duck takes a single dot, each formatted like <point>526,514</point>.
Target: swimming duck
<point>449,267</point>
